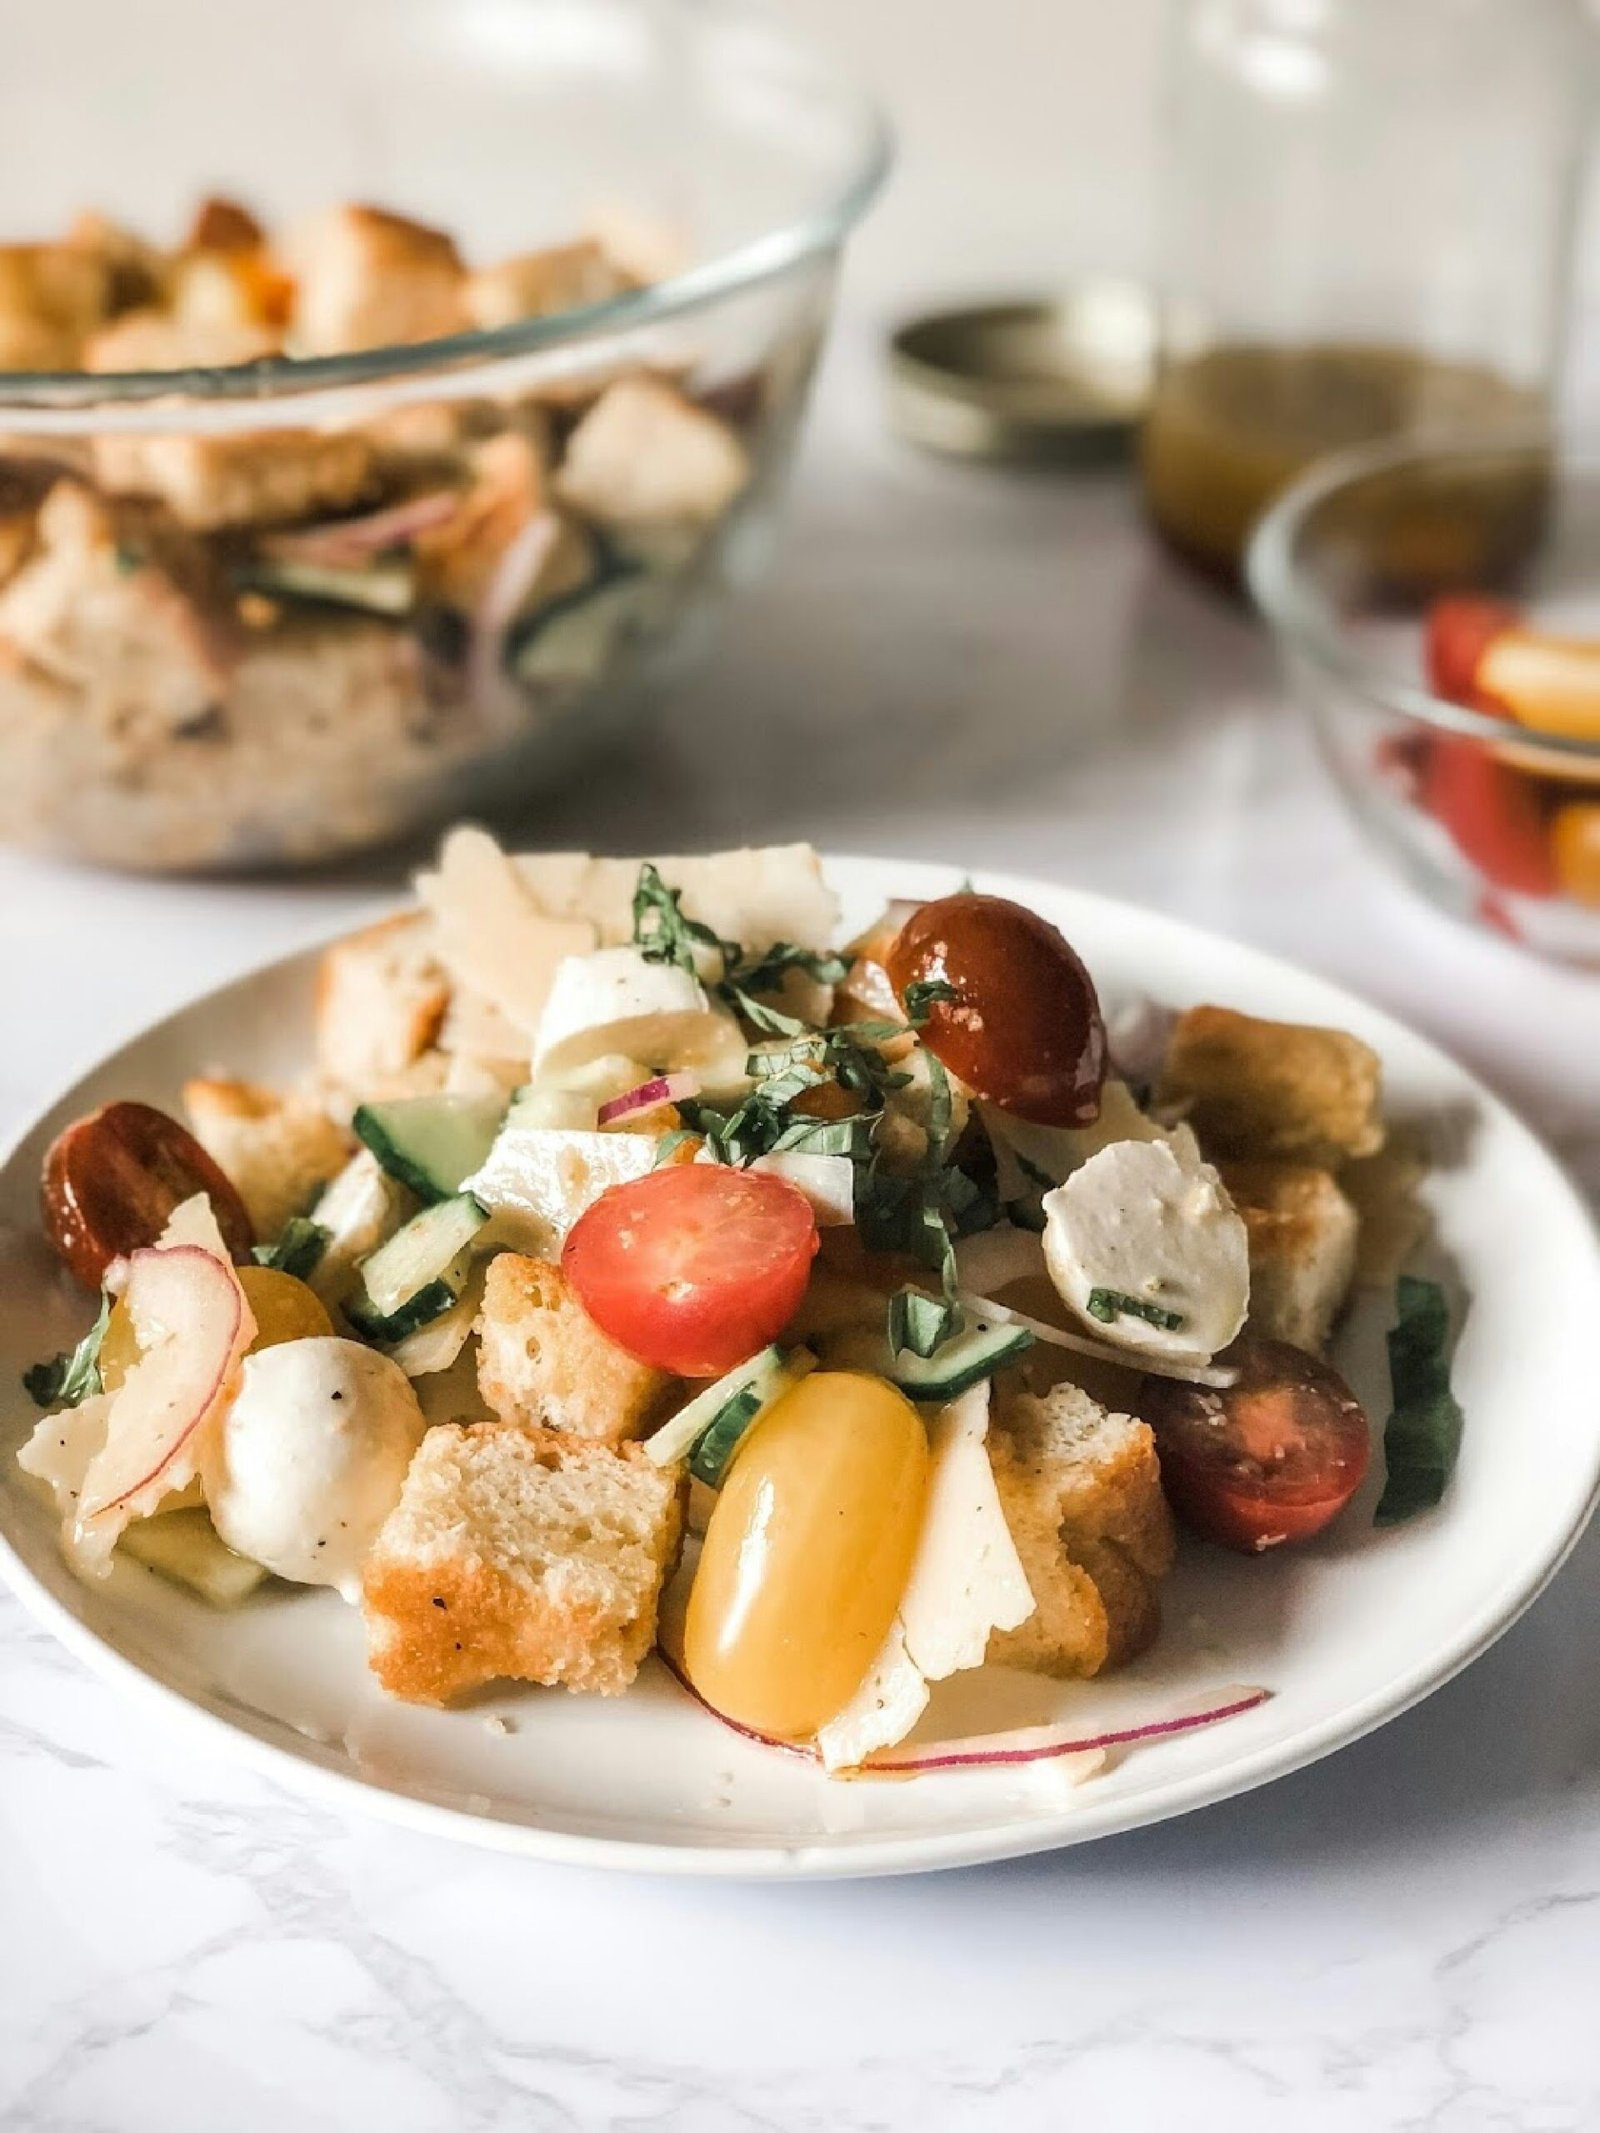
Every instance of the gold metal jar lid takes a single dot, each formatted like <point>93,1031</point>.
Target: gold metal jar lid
<point>1061,378</point>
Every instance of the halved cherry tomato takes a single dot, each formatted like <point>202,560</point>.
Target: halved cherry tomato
<point>1493,813</point>
<point>694,1267</point>
<point>111,1180</point>
<point>1024,1028</point>
<point>1272,1459</point>
<point>1458,633</point>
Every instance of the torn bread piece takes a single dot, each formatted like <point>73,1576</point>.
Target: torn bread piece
<point>543,1362</point>
<point>519,1554</point>
<point>381,998</point>
<point>278,1150</point>
<point>1303,1233</point>
<point>1259,1089</point>
<point>1081,1490</point>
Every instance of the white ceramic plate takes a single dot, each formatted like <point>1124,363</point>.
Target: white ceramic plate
<point>1346,1632</point>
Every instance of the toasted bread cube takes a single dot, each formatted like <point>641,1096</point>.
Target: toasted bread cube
<point>509,491</point>
<point>1302,1233</point>
<point>104,617</point>
<point>365,278</point>
<point>278,1150</point>
<point>1385,1191</point>
<point>1081,1490</point>
<point>646,457</point>
<point>543,1362</point>
<point>519,1554</point>
<point>380,1000</point>
<point>1260,1089</point>
<point>222,225</point>
<point>155,340</point>
<point>135,270</point>
<point>52,296</point>
<point>259,479</point>
<point>562,277</point>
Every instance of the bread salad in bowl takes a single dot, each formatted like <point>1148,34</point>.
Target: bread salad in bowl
<point>637,1269</point>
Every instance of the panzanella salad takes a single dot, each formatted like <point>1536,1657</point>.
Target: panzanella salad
<point>636,1267</point>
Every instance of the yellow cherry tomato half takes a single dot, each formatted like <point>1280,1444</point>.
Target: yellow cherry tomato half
<point>283,1308</point>
<point>1575,842</point>
<point>807,1553</point>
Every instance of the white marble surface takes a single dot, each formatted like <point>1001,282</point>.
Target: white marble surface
<point>992,670</point>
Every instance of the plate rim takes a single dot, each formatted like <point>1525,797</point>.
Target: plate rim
<point>907,1852</point>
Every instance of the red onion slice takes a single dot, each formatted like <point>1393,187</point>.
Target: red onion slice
<point>652,1095</point>
<point>993,1751</point>
<point>350,542</point>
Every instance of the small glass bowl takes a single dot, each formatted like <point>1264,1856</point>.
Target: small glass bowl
<point>1476,812</point>
<point>269,613</point>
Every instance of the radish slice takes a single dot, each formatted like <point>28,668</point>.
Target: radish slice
<point>193,1326</point>
<point>1038,1744</point>
<point>987,1751</point>
<point>652,1095</point>
<point>346,543</point>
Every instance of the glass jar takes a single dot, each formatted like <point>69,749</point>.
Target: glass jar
<point>1368,208</point>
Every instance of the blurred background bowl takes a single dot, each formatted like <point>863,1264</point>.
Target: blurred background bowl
<point>1495,822</point>
<point>171,695</point>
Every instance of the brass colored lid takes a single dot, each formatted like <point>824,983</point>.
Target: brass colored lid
<point>1067,378</point>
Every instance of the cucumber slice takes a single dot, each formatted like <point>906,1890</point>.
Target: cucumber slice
<point>184,1547</point>
<point>296,1249</point>
<point>380,589</point>
<point>965,1361</point>
<point>715,1421</point>
<point>431,1143</point>
<point>419,1274</point>
<point>575,639</point>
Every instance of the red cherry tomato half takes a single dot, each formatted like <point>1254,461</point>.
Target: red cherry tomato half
<point>111,1180</point>
<point>1272,1459</point>
<point>1493,813</point>
<point>1458,633</point>
<point>694,1267</point>
<point>1024,1027</point>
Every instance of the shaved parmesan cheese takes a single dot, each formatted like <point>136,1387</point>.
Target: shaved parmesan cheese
<point>615,1001</point>
<point>756,897</point>
<point>61,1449</point>
<point>538,1180</point>
<point>966,1578</point>
<point>1052,1153</point>
<point>493,936</point>
<point>890,1700</point>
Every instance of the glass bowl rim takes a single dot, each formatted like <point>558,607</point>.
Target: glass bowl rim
<point>818,229</point>
<point>1300,622</point>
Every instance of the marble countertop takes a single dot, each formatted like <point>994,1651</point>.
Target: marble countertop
<point>996,670</point>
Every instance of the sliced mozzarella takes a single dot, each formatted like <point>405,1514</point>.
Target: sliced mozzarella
<point>616,1001</point>
<point>754,897</point>
<point>361,1209</point>
<point>310,1458</point>
<point>1054,1152</point>
<point>539,1179</point>
<point>493,937</point>
<point>1150,1221</point>
<point>892,1697</point>
<point>966,1578</point>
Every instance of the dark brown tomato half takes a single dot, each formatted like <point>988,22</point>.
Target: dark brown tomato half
<point>1023,1027</point>
<point>111,1180</point>
<point>1273,1459</point>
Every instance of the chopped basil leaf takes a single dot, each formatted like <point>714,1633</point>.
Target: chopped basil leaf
<point>296,1249</point>
<point>920,1322</point>
<point>922,993</point>
<point>1108,1305</point>
<point>774,964</point>
<point>74,1375</point>
<point>826,1136</point>
<point>1423,1435</point>
<point>662,933</point>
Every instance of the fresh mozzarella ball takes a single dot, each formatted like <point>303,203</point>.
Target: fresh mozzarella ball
<point>309,1458</point>
<point>1149,1223</point>
<point>617,1001</point>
